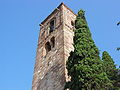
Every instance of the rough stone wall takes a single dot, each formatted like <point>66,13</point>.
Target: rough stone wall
<point>49,71</point>
<point>68,27</point>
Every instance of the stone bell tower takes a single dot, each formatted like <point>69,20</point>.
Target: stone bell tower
<point>54,45</point>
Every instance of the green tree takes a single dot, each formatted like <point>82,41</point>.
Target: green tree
<point>117,81</point>
<point>84,65</point>
<point>109,65</point>
<point>110,69</point>
<point>117,84</point>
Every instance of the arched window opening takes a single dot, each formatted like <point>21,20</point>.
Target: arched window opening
<point>47,47</point>
<point>52,26</point>
<point>53,42</point>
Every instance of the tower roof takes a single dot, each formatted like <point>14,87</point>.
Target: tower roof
<point>56,10</point>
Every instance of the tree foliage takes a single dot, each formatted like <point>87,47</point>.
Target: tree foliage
<point>84,65</point>
<point>111,70</point>
<point>109,66</point>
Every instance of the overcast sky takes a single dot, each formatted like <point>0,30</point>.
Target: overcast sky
<point>19,29</point>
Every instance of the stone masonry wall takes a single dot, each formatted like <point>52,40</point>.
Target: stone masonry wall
<point>69,19</point>
<point>50,72</point>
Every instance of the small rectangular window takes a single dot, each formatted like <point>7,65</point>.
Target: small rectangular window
<point>52,26</point>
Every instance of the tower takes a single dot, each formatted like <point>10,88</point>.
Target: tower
<point>54,45</point>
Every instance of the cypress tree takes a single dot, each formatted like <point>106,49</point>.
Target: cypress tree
<point>117,83</point>
<point>111,70</point>
<point>109,66</point>
<point>84,65</point>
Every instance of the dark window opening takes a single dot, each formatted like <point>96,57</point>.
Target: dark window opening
<point>72,23</point>
<point>47,47</point>
<point>52,26</point>
<point>53,42</point>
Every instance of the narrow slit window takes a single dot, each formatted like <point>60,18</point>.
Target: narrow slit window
<point>53,42</point>
<point>52,26</point>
